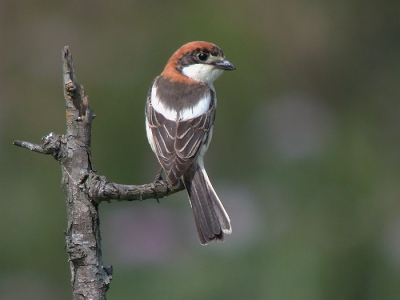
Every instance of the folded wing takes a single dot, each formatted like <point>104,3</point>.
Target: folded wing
<point>176,143</point>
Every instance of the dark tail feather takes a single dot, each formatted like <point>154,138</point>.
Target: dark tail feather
<point>210,217</point>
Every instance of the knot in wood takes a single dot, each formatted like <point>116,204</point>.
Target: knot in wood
<point>70,87</point>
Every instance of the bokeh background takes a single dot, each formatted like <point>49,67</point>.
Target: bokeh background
<point>305,153</point>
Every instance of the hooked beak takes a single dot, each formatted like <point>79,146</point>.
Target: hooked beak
<point>225,65</point>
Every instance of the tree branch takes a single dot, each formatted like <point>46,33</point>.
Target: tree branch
<point>99,189</point>
<point>84,189</point>
<point>96,186</point>
<point>51,144</point>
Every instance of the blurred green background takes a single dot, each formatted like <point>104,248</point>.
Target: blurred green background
<point>305,153</point>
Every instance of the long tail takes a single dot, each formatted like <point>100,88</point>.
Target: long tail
<point>210,216</point>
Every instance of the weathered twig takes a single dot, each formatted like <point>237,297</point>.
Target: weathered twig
<point>51,144</point>
<point>84,189</point>
<point>98,187</point>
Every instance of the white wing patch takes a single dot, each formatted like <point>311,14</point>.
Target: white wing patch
<point>185,114</point>
<point>168,113</point>
<point>197,110</point>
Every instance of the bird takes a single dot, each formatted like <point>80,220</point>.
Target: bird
<point>180,114</point>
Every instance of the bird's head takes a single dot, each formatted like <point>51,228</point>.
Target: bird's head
<point>199,61</point>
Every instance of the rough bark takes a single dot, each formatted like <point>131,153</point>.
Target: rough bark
<point>84,190</point>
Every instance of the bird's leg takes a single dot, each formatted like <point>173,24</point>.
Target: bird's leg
<point>158,175</point>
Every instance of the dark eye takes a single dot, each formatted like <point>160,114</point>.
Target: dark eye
<point>202,56</point>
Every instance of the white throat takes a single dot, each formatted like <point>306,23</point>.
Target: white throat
<point>202,72</point>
